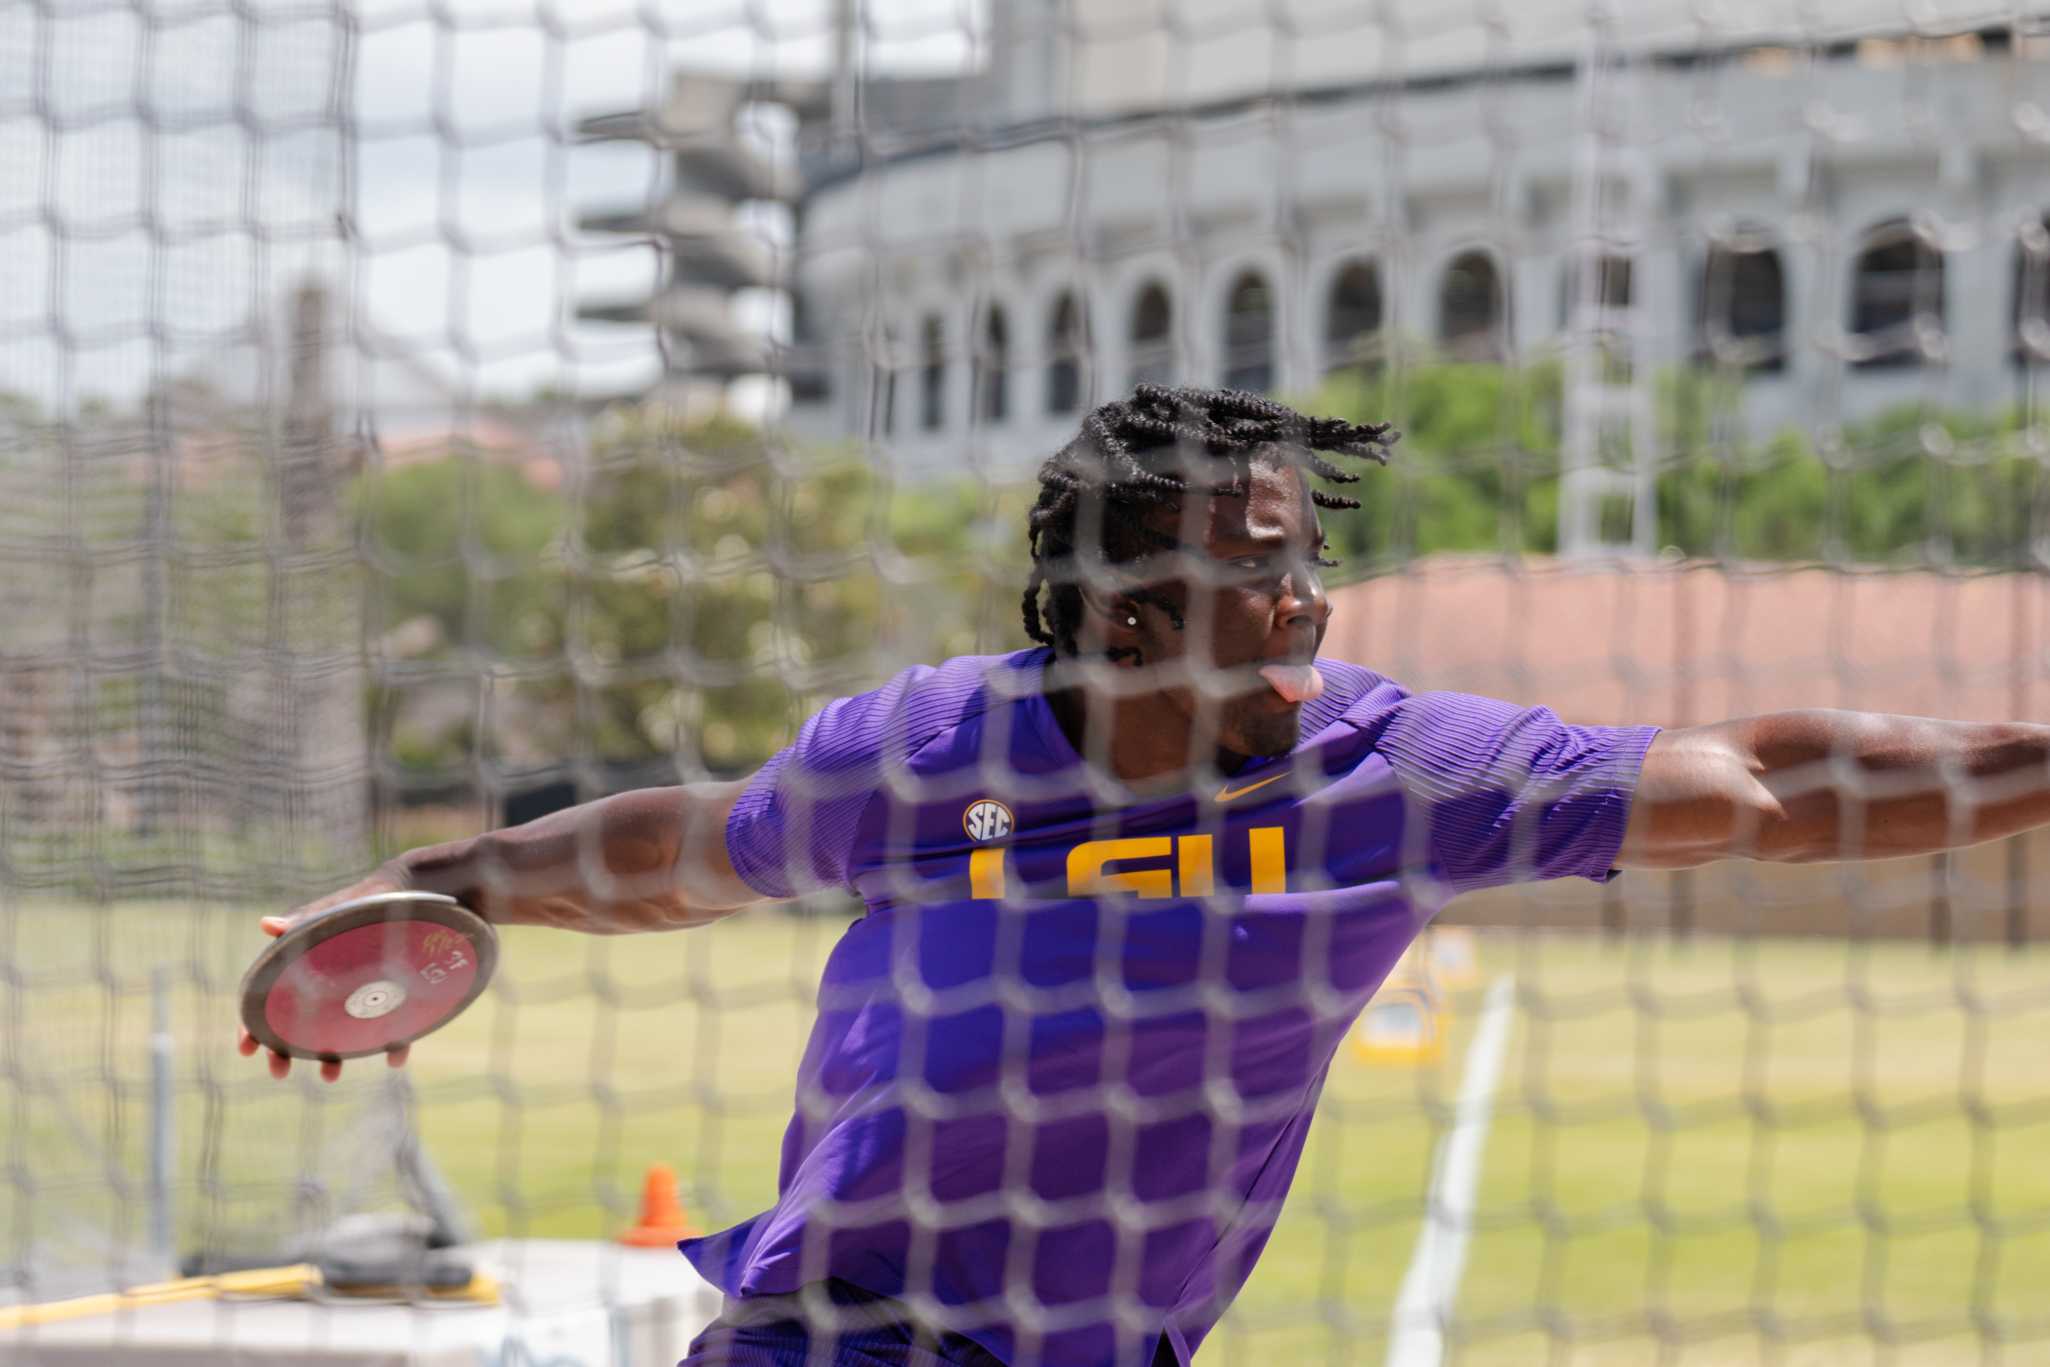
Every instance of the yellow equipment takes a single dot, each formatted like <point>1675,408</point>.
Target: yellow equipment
<point>1405,1023</point>
<point>275,1283</point>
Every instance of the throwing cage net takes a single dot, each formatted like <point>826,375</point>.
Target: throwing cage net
<point>417,417</point>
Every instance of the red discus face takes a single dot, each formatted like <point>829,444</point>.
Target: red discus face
<point>367,976</point>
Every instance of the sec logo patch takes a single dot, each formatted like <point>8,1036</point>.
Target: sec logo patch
<point>986,820</point>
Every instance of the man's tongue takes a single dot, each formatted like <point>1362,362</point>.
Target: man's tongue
<point>1296,683</point>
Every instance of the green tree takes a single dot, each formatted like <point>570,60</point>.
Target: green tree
<point>473,545</point>
<point>699,591</point>
<point>1477,467</point>
<point>1478,470</point>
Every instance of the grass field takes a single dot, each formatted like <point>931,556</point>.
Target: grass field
<point>1721,1147</point>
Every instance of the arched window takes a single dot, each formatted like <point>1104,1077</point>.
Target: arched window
<point>2031,293</point>
<point>1896,298</point>
<point>932,374</point>
<point>993,368</point>
<point>1473,309</point>
<point>1249,335</point>
<point>1152,337</point>
<point>1352,319</point>
<point>1741,305</point>
<point>1064,345</point>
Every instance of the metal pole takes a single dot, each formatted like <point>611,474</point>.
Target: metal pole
<point>163,1120</point>
<point>848,51</point>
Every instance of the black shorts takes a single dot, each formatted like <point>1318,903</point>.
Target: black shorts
<point>857,1328</point>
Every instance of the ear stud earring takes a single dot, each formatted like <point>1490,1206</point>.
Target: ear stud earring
<point>1131,621</point>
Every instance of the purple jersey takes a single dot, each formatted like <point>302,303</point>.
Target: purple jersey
<point>1063,1069</point>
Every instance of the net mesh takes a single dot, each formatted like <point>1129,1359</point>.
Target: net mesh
<point>417,417</point>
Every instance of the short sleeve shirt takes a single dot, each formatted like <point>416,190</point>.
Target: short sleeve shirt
<point>1069,1056</point>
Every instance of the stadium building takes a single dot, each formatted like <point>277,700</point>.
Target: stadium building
<point>1842,214</point>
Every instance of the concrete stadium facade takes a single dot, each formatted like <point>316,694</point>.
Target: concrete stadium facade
<point>1846,226</point>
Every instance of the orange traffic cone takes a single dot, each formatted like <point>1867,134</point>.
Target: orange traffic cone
<point>662,1220</point>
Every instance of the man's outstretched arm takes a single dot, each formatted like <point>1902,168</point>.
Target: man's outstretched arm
<point>1815,785</point>
<point>652,859</point>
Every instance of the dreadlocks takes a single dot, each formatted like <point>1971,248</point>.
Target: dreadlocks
<point>1133,454</point>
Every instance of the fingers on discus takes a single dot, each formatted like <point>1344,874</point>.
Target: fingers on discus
<point>396,1058</point>
<point>331,1070</point>
<point>246,1045</point>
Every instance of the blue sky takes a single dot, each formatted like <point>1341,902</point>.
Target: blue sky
<point>166,173</point>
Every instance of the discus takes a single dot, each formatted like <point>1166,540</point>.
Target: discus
<point>368,975</point>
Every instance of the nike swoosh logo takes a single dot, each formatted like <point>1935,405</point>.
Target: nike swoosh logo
<point>1227,792</point>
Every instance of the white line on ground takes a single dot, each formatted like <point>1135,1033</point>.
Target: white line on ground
<point>1431,1286</point>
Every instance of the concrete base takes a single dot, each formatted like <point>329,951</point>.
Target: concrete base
<point>565,1304</point>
